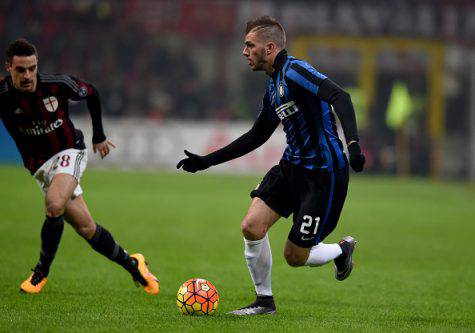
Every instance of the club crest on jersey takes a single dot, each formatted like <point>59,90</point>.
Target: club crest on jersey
<point>51,103</point>
<point>281,90</point>
<point>82,92</point>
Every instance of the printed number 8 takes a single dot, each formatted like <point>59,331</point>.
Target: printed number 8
<point>65,161</point>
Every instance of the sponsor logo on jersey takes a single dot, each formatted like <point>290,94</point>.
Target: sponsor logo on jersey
<point>51,103</point>
<point>41,127</point>
<point>286,110</point>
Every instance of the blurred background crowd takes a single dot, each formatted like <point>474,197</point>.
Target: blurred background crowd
<point>409,65</point>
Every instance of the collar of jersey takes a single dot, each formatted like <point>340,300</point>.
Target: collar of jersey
<point>279,61</point>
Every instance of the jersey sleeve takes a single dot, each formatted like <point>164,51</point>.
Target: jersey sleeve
<point>77,89</point>
<point>305,77</point>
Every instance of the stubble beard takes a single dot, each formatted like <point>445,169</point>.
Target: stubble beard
<point>260,62</point>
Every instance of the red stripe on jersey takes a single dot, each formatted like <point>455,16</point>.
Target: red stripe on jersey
<point>67,127</point>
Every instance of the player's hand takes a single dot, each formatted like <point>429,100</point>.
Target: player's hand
<point>356,157</point>
<point>193,162</point>
<point>103,148</point>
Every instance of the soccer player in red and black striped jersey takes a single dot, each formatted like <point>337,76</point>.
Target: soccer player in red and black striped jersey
<point>34,109</point>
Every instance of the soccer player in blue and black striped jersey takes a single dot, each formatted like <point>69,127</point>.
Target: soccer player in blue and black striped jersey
<point>311,180</point>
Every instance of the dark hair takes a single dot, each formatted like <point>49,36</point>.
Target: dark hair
<point>20,47</point>
<point>269,28</point>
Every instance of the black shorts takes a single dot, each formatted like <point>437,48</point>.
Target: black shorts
<point>315,198</point>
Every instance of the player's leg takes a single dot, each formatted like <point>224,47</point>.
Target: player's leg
<point>344,262</point>
<point>271,200</point>
<point>101,240</point>
<point>317,255</point>
<point>58,194</point>
<point>258,220</point>
<point>316,218</point>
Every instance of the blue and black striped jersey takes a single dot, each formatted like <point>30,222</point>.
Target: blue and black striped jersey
<point>308,121</point>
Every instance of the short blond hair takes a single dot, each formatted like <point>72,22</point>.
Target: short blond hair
<point>269,29</point>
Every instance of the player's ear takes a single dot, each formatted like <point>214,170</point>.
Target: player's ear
<point>270,47</point>
<point>7,66</point>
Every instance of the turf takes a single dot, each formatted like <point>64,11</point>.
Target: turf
<point>414,261</point>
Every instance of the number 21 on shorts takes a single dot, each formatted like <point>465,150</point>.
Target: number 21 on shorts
<point>307,224</point>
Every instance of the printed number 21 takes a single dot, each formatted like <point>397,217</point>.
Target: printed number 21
<point>308,223</point>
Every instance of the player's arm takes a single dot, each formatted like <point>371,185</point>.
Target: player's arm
<point>260,132</point>
<point>318,85</point>
<point>333,94</point>
<point>88,92</point>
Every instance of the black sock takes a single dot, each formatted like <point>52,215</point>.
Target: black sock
<point>267,301</point>
<point>104,243</point>
<point>51,233</point>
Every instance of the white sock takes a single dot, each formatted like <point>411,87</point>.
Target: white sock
<point>259,260</point>
<point>322,253</point>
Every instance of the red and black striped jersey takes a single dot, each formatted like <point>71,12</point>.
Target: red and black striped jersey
<point>39,122</point>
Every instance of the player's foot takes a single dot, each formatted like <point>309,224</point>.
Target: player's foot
<point>34,283</point>
<point>142,275</point>
<point>262,305</point>
<point>344,263</point>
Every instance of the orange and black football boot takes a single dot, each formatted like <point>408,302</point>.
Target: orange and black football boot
<point>142,275</point>
<point>35,282</point>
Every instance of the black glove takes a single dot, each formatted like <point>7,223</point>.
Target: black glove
<point>356,158</point>
<point>193,162</point>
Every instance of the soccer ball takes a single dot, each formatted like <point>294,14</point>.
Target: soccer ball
<point>197,297</point>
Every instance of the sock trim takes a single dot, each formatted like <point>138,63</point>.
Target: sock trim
<point>255,242</point>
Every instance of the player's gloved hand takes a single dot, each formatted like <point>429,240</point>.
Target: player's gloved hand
<point>356,157</point>
<point>193,162</point>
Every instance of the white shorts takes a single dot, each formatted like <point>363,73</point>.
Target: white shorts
<point>70,161</point>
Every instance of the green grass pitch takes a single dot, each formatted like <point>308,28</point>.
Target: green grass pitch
<point>415,267</point>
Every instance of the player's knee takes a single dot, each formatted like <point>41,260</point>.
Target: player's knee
<point>294,259</point>
<point>54,208</point>
<point>87,231</point>
<point>252,229</point>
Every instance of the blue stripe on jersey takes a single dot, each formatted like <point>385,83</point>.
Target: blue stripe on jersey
<point>293,151</point>
<point>325,150</point>
<point>302,81</point>
<point>298,139</point>
<point>329,206</point>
